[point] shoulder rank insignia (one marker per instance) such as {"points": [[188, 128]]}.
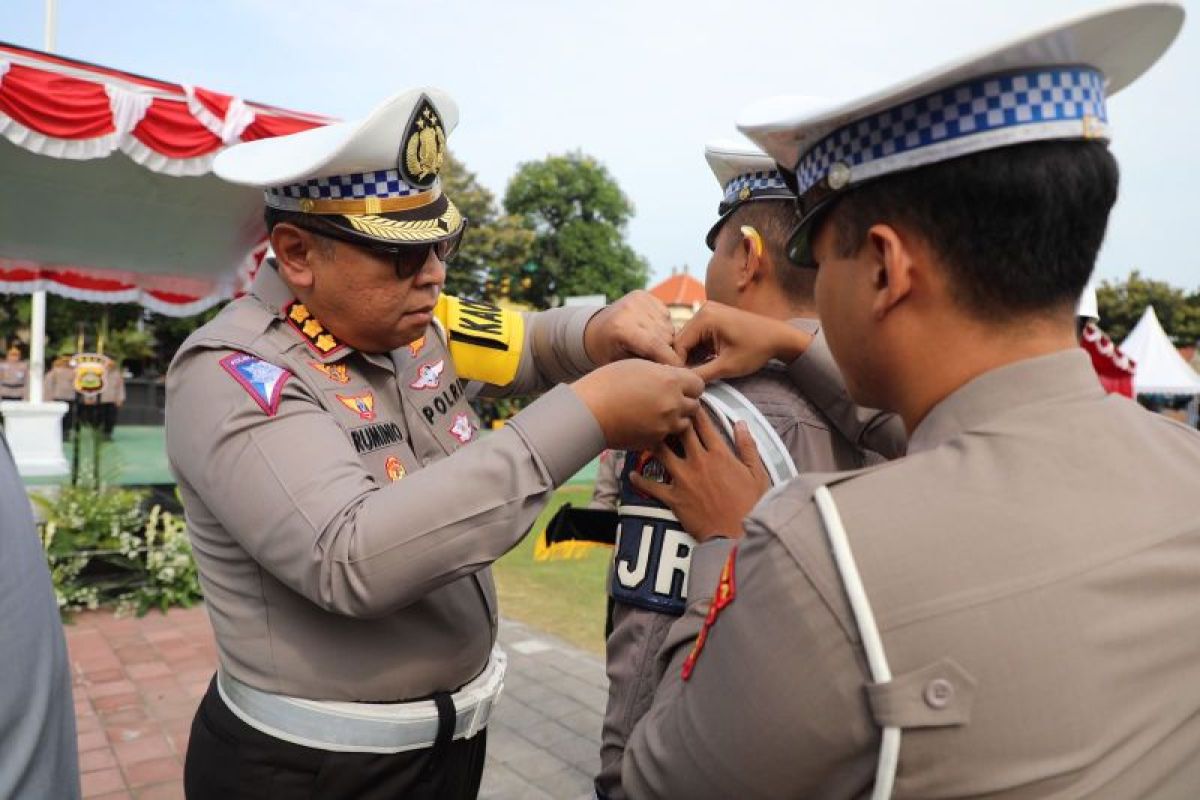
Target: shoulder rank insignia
{"points": [[335, 372], [395, 470], [362, 404], [414, 348], [462, 429], [723, 597], [319, 340], [262, 380], [429, 375]]}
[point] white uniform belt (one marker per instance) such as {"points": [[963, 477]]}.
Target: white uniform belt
{"points": [[364, 727]]}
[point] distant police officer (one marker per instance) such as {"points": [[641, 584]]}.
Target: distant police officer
{"points": [[748, 270], [314, 427], [1010, 611]]}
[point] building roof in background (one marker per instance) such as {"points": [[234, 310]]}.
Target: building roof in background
{"points": [[680, 289]]}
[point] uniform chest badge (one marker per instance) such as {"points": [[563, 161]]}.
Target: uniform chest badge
{"points": [[335, 372], [319, 340], [362, 404], [429, 375], [462, 429], [262, 380], [414, 348], [723, 597], [395, 470]]}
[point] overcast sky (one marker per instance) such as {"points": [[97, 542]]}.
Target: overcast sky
{"points": [[640, 85]]}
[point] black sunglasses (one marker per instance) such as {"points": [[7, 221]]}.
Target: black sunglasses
{"points": [[407, 258]]}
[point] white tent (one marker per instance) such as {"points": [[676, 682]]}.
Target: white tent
{"points": [[1159, 367]]}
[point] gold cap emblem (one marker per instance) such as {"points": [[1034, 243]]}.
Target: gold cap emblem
{"points": [[424, 147]]}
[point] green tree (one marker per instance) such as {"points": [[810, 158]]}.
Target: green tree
{"points": [[1122, 304], [578, 214], [494, 245]]}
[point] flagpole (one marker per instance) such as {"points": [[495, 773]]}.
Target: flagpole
{"points": [[37, 316]]}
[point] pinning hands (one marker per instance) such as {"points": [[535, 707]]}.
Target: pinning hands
{"points": [[637, 325], [639, 403], [712, 488], [725, 342]]}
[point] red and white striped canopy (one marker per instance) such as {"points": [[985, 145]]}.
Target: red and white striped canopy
{"points": [[148, 224]]}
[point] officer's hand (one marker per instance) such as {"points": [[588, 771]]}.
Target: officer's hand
{"points": [[725, 342], [639, 403], [712, 488], [636, 325]]}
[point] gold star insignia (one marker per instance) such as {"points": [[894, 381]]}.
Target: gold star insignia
{"points": [[325, 343], [299, 313], [312, 328]]}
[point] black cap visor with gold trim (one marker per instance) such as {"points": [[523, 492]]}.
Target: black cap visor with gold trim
{"points": [[726, 210]]}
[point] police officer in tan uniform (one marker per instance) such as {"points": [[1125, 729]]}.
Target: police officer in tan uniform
{"points": [[315, 426], [1010, 611], [749, 270], [14, 375]]}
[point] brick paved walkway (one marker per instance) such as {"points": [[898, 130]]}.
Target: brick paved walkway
{"points": [[138, 681]]}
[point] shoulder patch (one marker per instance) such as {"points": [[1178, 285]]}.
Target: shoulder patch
{"points": [[262, 380], [726, 590], [362, 404], [429, 375]]}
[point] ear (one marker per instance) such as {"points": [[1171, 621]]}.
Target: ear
{"points": [[750, 258], [894, 263], [295, 253]]}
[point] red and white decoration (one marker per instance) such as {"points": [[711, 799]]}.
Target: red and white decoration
{"points": [[148, 224]]}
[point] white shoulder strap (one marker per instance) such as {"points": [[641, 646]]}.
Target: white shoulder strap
{"points": [[864, 618], [732, 406]]}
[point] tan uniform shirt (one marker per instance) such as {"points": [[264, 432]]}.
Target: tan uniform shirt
{"points": [[1034, 567], [114, 386], [815, 445], [605, 491], [14, 375], [343, 541], [817, 376], [59, 384]]}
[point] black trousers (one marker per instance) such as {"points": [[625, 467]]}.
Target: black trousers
{"points": [[229, 760]]}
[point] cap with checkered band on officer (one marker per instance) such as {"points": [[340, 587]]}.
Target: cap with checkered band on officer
{"points": [[373, 180], [746, 174], [1046, 86]]}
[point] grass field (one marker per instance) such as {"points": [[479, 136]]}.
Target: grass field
{"points": [[562, 597]]}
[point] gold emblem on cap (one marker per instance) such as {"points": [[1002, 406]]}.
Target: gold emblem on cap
{"points": [[424, 145], [744, 193], [838, 176]]}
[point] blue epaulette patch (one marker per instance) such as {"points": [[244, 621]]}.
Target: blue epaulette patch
{"points": [[262, 380], [653, 554]]}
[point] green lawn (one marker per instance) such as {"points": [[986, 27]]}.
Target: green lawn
{"points": [[562, 597]]}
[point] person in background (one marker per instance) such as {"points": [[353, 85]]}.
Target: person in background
{"points": [[111, 398], [14, 375], [59, 385]]}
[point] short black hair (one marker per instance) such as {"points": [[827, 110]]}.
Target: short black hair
{"points": [[775, 220], [1017, 228]]}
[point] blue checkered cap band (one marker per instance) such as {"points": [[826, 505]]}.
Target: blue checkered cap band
{"points": [[755, 181], [380, 184], [1024, 106]]}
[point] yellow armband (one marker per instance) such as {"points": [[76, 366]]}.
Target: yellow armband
{"points": [[485, 342]]}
